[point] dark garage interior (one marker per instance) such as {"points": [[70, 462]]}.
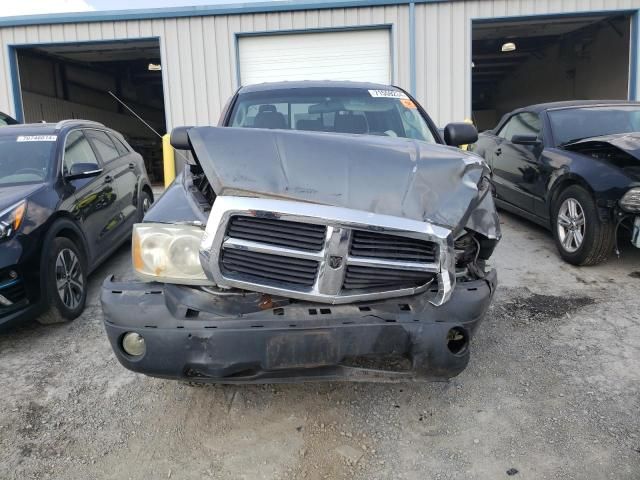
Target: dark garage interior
{"points": [[73, 80], [526, 61]]}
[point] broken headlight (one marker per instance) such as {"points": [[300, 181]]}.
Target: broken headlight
{"points": [[168, 253], [631, 200], [11, 219]]}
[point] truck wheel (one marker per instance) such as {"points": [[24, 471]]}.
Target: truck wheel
{"points": [[66, 282], [581, 238]]}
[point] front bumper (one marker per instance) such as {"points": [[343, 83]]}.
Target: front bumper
{"points": [[194, 335]]}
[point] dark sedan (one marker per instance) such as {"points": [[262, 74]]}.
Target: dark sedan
{"points": [[573, 167], [69, 196]]}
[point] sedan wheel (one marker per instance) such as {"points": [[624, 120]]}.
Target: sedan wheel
{"points": [[69, 281], [582, 235], [571, 225]]}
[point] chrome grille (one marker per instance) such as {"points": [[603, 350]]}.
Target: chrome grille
{"points": [[323, 253], [392, 247], [262, 266], [304, 236]]}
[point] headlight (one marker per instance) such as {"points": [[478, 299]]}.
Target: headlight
{"points": [[168, 253], [631, 200], [11, 219]]}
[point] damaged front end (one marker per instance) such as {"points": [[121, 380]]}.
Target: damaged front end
{"points": [[621, 151], [283, 256]]}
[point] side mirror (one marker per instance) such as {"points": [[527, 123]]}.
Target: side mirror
{"points": [[180, 138], [456, 134], [83, 170], [525, 140]]}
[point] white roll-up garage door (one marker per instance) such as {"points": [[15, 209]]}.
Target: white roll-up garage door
{"points": [[362, 55]]}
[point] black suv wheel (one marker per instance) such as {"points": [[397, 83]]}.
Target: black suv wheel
{"points": [[66, 281]]}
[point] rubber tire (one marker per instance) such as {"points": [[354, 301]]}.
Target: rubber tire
{"points": [[599, 238], [56, 311], [144, 195]]}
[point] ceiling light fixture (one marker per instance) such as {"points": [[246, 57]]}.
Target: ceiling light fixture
{"points": [[509, 47], [154, 67]]}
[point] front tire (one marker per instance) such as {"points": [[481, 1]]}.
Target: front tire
{"points": [[580, 235], [144, 204], [66, 282]]}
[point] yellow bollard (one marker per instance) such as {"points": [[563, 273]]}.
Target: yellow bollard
{"points": [[169, 160]]}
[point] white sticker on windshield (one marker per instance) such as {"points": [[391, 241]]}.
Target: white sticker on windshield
{"points": [[37, 138], [387, 94]]}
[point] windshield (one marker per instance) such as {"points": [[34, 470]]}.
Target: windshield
{"points": [[340, 110], [577, 123], [25, 159]]}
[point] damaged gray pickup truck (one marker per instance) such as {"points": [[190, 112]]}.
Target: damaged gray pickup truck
{"points": [[322, 232]]}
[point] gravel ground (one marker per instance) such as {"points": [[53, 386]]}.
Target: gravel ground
{"points": [[552, 391]]}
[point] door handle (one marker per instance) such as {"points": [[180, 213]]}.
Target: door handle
{"points": [[108, 179], [132, 166], [498, 151]]}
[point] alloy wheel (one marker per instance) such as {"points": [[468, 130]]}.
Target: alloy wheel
{"points": [[69, 282], [571, 225]]}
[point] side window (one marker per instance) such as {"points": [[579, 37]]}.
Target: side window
{"points": [[122, 149], [77, 150], [522, 124], [105, 147]]}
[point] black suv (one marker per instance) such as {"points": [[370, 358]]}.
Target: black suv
{"points": [[69, 195]]}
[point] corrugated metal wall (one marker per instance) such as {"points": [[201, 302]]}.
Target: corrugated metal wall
{"points": [[199, 53], [443, 45]]}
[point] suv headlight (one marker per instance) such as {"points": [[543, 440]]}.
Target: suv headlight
{"points": [[631, 200], [11, 219], [168, 253]]}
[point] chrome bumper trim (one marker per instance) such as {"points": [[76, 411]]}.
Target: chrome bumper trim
{"points": [[340, 222]]}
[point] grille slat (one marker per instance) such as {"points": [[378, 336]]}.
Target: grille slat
{"points": [[243, 259], [357, 278], [263, 266], [392, 247], [283, 233]]}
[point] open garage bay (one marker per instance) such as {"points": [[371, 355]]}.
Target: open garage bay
{"points": [[523, 61]]}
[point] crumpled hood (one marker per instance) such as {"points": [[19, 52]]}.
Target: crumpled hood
{"points": [[384, 175], [621, 150], [627, 142]]}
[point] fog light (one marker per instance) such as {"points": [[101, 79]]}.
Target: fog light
{"points": [[133, 344], [457, 341]]}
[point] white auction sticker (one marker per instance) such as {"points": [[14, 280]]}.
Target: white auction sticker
{"points": [[37, 138], [387, 94]]}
